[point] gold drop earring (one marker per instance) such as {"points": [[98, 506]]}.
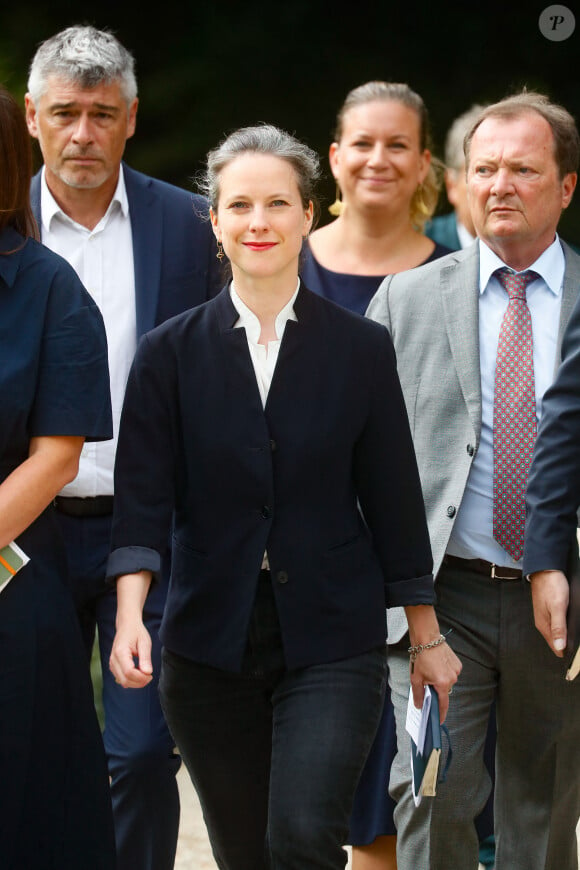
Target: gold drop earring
{"points": [[336, 208]]}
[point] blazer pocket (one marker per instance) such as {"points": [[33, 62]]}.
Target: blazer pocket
{"points": [[349, 561], [188, 565], [184, 547]]}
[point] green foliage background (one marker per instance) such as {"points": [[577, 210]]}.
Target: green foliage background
{"points": [[97, 684]]}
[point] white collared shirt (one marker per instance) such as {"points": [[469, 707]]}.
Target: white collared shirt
{"points": [[264, 357], [472, 535], [465, 237], [103, 260]]}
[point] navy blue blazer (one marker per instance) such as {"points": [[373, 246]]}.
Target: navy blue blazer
{"points": [[173, 247], [197, 450], [553, 492], [443, 229]]}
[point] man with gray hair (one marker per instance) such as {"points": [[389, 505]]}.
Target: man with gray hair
{"points": [[145, 252], [478, 338], [455, 230]]}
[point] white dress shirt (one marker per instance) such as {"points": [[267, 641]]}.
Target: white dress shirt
{"points": [[103, 260], [472, 535], [465, 237]]}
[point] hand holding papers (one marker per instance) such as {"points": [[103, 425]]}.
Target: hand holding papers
{"points": [[12, 559], [424, 729]]}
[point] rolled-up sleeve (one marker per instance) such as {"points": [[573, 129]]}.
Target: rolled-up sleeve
{"points": [[144, 466], [129, 560]]}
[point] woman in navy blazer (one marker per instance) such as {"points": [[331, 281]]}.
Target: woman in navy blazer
{"points": [[267, 432]]}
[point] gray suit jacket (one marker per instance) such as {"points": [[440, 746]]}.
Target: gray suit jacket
{"points": [[432, 315]]}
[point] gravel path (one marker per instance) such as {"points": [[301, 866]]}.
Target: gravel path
{"points": [[193, 850]]}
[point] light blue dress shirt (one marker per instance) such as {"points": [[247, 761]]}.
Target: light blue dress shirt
{"points": [[472, 535]]}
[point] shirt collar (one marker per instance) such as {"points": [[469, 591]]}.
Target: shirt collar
{"points": [[49, 208], [464, 236], [250, 322], [550, 266]]}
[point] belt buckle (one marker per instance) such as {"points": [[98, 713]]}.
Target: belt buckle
{"points": [[495, 576]]}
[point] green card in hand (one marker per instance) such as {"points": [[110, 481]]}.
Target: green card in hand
{"points": [[12, 559]]}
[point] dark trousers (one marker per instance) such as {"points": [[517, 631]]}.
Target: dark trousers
{"points": [[140, 750], [274, 754]]}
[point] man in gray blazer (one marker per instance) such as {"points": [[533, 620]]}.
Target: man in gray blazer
{"points": [[462, 351]]}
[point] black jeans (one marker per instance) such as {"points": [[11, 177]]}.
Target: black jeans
{"points": [[274, 754]]}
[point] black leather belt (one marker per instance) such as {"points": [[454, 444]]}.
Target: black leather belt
{"points": [[480, 566], [96, 506]]}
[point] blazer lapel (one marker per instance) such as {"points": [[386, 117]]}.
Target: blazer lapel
{"points": [[287, 389], [298, 369], [460, 298], [239, 375], [35, 199], [147, 230], [570, 292]]}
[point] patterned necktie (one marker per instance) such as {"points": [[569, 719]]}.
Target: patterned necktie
{"points": [[514, 414]]}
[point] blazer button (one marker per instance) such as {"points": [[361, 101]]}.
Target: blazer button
{"points": [[266, 512], [282, 576], [470, 449], [451, 510]]}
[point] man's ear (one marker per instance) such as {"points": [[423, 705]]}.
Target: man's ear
{"points": [[30, 114]]}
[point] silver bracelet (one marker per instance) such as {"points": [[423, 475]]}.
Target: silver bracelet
{"points": [[414, 651]]}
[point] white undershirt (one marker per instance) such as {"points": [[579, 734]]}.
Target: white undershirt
{"points": [[103, 260]]}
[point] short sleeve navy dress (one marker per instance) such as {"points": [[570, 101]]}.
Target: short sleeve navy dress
{"points": [[372, 814], [55, 811]]}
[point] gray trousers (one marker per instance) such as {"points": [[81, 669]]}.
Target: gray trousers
{"points": [[537, 791]]}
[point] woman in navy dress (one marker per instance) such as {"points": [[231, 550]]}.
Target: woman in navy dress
{"points": [[55, 810], [387, 188]]}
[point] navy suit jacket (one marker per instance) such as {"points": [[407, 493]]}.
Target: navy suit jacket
{"points": [[173, 247], [199, 453], [443, 229], [553, 492]]}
